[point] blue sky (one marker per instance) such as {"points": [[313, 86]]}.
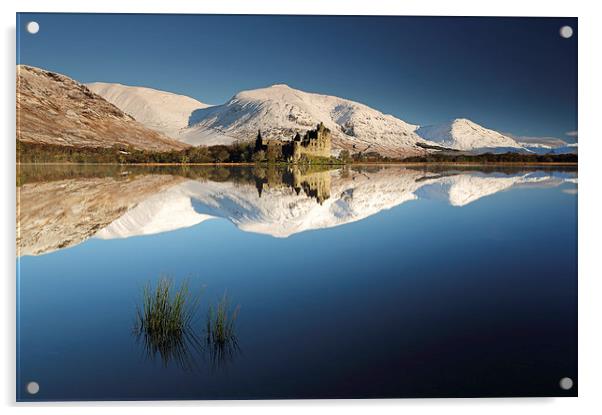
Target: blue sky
{"points": [[515, 75]]}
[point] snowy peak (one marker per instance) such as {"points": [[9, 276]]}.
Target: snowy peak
{"points": [[464, 134], [280, 111], [161, 111]]}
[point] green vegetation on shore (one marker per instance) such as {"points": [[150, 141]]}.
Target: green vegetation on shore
{"points": [[245, 153], [494, 158], [235, 153]]}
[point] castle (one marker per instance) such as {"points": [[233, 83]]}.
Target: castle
{"points": [[315, 143]]}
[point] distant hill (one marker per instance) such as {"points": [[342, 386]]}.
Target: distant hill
{"points": [[466, 135]]}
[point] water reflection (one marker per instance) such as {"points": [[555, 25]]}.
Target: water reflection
{"points": [[184, 349], [61, 209], [64, 212], [221, 338], [314, 182], [167, 327], [460, 279], [164, 323]]}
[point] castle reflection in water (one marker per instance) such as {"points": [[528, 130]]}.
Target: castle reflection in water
{"points": [[315, 184]]}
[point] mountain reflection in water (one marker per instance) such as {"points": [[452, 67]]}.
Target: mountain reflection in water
{"points": [[62, 206]]}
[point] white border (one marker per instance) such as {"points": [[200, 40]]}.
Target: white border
{"points": [[590, 277]]}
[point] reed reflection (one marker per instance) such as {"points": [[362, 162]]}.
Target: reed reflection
{"points": [[168, 328]]}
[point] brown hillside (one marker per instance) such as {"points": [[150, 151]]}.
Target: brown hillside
{"points": [[55, 109]]}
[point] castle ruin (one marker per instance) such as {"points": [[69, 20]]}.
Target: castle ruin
{"points": [[315, 143]]}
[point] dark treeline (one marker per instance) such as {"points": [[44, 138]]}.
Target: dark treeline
{"points": [[452, 157], [245, 153], [235, 153], [49, 153], [493, 158]]}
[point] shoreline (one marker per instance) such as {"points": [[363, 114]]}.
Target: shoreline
{"points": [[396, 163]]}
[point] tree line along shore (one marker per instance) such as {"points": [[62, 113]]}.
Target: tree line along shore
{"points": [[246, 153]]}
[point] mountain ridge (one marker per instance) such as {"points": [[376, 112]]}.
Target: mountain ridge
{"points": [[55, 109], [465, 135], [162, 111], [280, 111], [102, 114]]}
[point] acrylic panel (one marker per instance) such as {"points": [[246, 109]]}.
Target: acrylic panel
{"points": [[295, 207]]}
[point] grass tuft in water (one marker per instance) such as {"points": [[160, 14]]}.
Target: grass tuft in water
{"points": [[221, 334], [164, 319]]}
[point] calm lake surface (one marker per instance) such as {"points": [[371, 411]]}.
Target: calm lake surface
{"points": [[360, 282]]}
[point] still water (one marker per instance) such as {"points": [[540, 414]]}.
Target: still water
{"points": [[347, 283]]}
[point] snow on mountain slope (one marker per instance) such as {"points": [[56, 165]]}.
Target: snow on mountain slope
{"points": [[537, 148], [280, 111], [572, 148], [161, 111], [463, 134], [536, 145]]}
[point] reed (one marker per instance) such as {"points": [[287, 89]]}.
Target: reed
{"points": [[222, 343], [164, 320], [221, 322]]}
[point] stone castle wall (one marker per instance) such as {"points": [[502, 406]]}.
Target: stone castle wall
{"points": [[315, 143]]}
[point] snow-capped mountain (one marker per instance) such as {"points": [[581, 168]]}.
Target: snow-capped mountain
{"points": [[571, 148], [463, 134], [161, 111], [537, 145], [551, 149], [280, 111]]}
